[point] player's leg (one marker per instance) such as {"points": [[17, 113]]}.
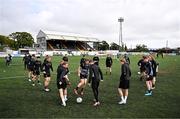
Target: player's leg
{"points": [[125, 95], [65, 94], [29, 76], [149, 86], [46, 83], [153, 82], [33, 79], [38, 77], [120, 91], [83, 86], [78, 86], [96, 93], [110, 70], [61, 94]]}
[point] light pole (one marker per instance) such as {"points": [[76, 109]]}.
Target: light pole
{"points": [[120, 20]]}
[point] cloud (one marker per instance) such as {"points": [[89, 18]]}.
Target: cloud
{"points": [[150, 22]]}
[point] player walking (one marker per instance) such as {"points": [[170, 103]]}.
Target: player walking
{"points": [[109, 63], [95, 75], [36, 71], [46, 67], [62, 81], [124, 81]]}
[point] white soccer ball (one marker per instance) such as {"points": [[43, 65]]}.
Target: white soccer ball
{"points": [[79, 100], [139, 72]]}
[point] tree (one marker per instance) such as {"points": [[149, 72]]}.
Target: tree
{"points": [[22, 39], [6, 41], [103, 46], [141, 48], [114, 46]]}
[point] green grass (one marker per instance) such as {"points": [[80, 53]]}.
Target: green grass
{"points": [[19, 99]]}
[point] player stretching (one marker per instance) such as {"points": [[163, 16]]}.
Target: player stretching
{"points": [[149, 76], [83, 74], [124, 81], [109, 63], [94, 75], [141, 63], [36, 71], [154, 67], [46, 66], [62, 81]]}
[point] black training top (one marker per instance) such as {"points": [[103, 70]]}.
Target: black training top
{"points": [[37, 65], [95, 73], [61, 72], [31, 62], [142, 64], [46, 66], [26, 59], [109, 60], [84, 69], [125, 72]]}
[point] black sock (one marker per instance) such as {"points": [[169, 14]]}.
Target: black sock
{"points": [[82, 89], [77, 88], [150, 91]]}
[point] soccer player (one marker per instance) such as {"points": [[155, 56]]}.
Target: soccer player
{"points": [[65, 60], [62, 81], [10, 58], [96, 59], [141, 63], [95, 75], [149, 76], [46, 67], [82, 60], [83, 71], [124, 81], [127, 58], [30, 66], [154, 67], [36, 71], [25, 59], [7, 59], [109, 63]]}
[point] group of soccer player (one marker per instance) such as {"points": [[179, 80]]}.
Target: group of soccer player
{"points": [[34, 66], [148, 72], [90, 73]]}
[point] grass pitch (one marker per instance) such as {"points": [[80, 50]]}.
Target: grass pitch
{"points": [[18, 98]]}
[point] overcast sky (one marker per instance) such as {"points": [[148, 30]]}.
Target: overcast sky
{"points": [[150, 22]]}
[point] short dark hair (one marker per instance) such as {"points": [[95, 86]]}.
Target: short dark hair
{"points": [[65, 58]]}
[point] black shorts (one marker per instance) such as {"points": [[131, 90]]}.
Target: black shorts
{"points": [[62, 85], [108, 64], [36, 72], [124, 84], [83, 76], [30, 68], [47, 75], [150, 78]]}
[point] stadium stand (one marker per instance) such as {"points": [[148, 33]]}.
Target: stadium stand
{"points": [[54, 41]]}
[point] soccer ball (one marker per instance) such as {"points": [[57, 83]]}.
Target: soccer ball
{"points": [[79, 100]]}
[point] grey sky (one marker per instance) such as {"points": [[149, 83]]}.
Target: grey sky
{"points": [[150, 22]]}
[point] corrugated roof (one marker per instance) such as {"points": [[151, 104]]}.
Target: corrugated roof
{"points": [[68, 36]]}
